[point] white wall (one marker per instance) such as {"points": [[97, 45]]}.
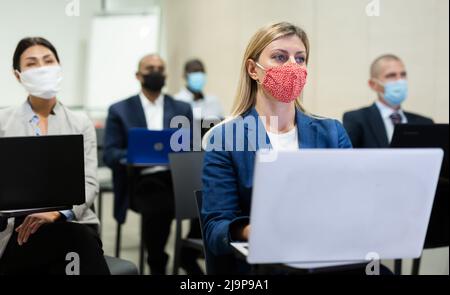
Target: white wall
{"points": [[131, 5], [69, 34], [46, 18], [344, 42]]}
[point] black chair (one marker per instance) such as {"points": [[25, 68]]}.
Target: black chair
{"points": [[133, 177], [215, 265], [438, 227], [121, 267], [105, 186], [186, 170], [430, 136], [133, 174], [116, 265]]}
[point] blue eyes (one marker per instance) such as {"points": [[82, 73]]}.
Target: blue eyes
{"points": [[281, 58], [300, 59], [284, 58]]}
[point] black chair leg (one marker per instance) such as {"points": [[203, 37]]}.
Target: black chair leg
{"points": [[99, 213], [118, 239], [176, 259], [141, 249], [398, 267], [416, 266]]}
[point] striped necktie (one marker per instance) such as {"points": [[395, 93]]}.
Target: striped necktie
{"points": [[395, 118]]}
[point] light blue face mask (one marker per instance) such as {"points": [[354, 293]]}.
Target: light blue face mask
{"points": [[395, 92], [196, 81]]}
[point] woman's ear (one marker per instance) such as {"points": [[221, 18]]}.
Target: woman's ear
{"points": [[251, 69]]}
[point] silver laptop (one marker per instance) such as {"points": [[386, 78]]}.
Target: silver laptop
{"points": [[330, 207]]}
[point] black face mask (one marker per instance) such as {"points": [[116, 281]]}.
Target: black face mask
{"points": [[154, 81]]}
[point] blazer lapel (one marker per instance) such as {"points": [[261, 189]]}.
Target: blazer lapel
{"points": [[169, 111], [376, 124], [306, 136], [139, 112], [411, 118], [254, 134]]}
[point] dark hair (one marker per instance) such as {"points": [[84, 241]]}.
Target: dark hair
{"points": [[28, 42], [193, 63]]}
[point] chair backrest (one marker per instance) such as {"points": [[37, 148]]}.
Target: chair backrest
{"points": [[215, 265], [100, 132], [199, 201], [119, 266], [186, 169]]}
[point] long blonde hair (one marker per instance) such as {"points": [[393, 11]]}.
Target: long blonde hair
{"points": [[247, 88]]}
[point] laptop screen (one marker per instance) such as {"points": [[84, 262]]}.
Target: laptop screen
{"points": [[41, 171], [423, 136]]}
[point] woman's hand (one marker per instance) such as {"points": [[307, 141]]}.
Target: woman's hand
{"points": [[32, 223], [245, 232]]}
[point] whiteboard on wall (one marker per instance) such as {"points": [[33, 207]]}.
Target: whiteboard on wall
{"points": [[116, 45]]}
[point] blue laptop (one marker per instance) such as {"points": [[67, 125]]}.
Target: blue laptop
{"points": [[152, 147]]}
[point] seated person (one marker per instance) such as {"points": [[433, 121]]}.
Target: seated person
{"points": [[153, 191], [207, 110], [274, 70], [39, 243], [373, 126], [205, 107]]}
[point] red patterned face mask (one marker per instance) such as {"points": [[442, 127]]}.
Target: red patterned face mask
{"points": [[286, 82]]}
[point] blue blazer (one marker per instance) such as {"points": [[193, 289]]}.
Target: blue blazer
{"points": [[228, 174], [122, 116]]}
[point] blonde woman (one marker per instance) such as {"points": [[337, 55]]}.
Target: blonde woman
{"points": [[274, 72]]}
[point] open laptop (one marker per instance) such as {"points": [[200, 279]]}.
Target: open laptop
{"points": [[435, 135], [41, 173], [152, 147], [423, 136], [325, 207]]}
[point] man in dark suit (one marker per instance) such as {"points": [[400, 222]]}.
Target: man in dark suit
{"points": [[373, 126], [153, 189]]}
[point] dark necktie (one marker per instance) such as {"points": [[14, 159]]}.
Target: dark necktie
{"points": [[395, 118]]}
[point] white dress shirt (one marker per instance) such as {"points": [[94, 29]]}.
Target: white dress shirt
{"points": [[385, 112], [207, 108], [154, 111], [154, 116]]}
